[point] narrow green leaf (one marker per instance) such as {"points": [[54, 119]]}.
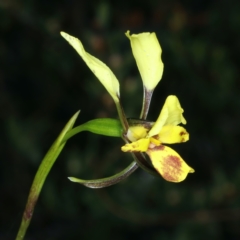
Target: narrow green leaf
{"points": [[41, 175], [102, 126]]}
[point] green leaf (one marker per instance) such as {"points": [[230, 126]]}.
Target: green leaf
{"points": [[41, 175], [102, 126]]}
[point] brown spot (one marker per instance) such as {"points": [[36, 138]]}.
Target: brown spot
{"points": [[158, 148], [182, 133], [156, 137], [171, 168]]}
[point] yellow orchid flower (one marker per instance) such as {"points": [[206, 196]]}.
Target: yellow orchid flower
{"points": [[149, 138], [165, 130]]}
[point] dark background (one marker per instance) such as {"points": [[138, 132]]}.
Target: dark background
{"points": [[43, 82]]}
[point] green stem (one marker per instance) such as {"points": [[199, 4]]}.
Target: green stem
{"points": [[40, 177], [122, 117], [34, 193]]}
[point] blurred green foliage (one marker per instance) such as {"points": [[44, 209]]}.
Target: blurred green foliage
{"points": [[43, 82]]}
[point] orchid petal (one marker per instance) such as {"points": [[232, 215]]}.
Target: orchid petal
{"points": [[171, 114], [169, 163], [100, 70], [139, 146], [173, 134], [147, 53]]}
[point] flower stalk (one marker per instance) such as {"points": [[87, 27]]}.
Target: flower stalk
{"points": [[147, 97], [41, 175]]}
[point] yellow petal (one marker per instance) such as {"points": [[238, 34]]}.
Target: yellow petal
{"points": [[169, 164], [100, 70], [147, 53], [173, 134], [138, 146], [171, 114]]}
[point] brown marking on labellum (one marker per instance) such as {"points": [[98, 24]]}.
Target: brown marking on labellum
{"points": [[182, 133], [156, 137], [171, 168], [158, 148]]}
